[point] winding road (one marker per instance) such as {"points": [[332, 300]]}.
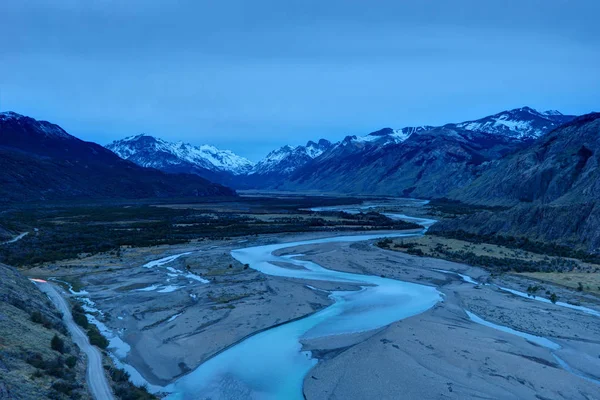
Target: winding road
{"points": [[95, 377]]}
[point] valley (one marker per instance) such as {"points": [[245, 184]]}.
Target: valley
{"points": [[299, 200], [199, 303]]}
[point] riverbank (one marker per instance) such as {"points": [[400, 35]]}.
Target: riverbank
{"points": [[442, 353]]}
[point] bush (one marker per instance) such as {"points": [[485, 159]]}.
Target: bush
{"points": [[36, 360], [125, 390], [56, 368], [71, 361], [64, 387], [96, 337], [36, 317], [39, 318], [81, 320], [57, 344], [119, 375], [415, 252], [384, 243], [532, 290]]}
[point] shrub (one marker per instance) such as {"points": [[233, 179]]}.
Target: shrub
{"points": [[125, 390], [39, 318], [384, 243], [36, 317], [57, 344], [553, 298], [56, 368], [415, 252], [71, 361], [96, 337], [119, 375], [64, 387], [81, 320], [36, 360]]}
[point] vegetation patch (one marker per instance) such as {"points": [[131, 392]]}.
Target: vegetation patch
{"points": [[93, 333], [62, 231], [522, 243], [123, 387], [580, 281], [454, 208], [567, 272]]}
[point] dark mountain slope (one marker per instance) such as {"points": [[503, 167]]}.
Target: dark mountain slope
{"points": [[553, 186], [40, 161], [429, 163], [560, 167], [424, 161]]}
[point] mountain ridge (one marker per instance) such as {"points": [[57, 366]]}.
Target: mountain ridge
{"points": [[289, 167], [41, 161]]}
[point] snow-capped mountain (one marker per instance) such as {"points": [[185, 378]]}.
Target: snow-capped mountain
{"points": [[41, 161], [450, 152], [423, 161], [287, 159], [520, 123], [148, 151]]}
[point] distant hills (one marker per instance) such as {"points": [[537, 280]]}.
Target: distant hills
{"points": [[552, 188], [423, 161], [40, 161]]}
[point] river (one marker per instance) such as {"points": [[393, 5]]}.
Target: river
{"points": [[272, 364]]}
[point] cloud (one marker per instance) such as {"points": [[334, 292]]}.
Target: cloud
{"points": [[254, 75]]}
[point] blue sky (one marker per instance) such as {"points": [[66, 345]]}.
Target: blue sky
{"points": [[254, 75]]}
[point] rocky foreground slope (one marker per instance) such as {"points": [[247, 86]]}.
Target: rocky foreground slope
{"points": [[38, 360]]}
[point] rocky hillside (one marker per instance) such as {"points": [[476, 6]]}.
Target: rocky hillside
{"points": [[552, 187], [33, 364], [40, 161]]}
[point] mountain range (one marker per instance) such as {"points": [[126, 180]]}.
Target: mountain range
{"points": [[541, 167], [41, 161], [424, 161]]}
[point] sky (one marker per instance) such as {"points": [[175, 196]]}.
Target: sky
{"points": [[251, 76]]}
